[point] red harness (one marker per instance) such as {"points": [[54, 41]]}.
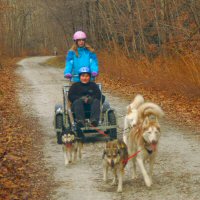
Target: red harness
{"points": [[130, 157]]}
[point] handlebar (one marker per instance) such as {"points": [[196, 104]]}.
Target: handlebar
{"points": [[74, 76]]}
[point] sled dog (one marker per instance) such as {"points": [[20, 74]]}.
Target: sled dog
{"points": [[144, 137], [71, 146], [115, 157], [131, 116]]}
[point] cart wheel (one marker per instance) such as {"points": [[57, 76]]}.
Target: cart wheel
{"points": [[59, 125], [59, 137], [113, 131], [59, 121]]}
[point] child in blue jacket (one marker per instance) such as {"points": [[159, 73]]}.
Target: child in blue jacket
{"points": [[80, 55]]}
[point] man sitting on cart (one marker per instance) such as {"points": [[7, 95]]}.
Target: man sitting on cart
{"points": [[85, 96]]}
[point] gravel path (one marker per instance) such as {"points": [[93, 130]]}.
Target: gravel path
{"points": [[177, 168]]}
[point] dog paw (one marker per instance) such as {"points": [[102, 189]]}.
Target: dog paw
{"points": [[148, 182], [114, 183], [119, 190], [105, 180], [134, 176], [66, 163]]}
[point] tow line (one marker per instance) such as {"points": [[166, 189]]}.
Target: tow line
{"points": [[124, 161], [100, 131]]}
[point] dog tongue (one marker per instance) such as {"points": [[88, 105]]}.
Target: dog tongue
{"points": [[68, 145], [153, 146]]}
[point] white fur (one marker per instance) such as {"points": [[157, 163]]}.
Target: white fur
{"points": [[147, 131], [149, 108], [131, 117]]}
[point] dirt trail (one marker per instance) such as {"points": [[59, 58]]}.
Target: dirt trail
{"points": [[177, 168]]}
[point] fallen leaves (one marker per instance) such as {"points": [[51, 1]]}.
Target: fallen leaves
{"points": [[22, 174], [179, 109]]}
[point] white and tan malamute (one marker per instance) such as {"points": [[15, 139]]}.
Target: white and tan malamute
{"points": [[144, 137], [131, 116]]}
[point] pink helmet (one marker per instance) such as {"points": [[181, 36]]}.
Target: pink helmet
{"points": [[79, 35]]}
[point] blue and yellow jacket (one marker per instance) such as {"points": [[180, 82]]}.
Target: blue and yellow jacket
{"points": [[86, 58]]}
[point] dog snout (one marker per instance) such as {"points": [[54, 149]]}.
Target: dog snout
{"points": [[154, 142], [112, 163]]}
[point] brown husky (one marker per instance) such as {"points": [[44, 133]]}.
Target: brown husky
{"points": [[115, 157]]}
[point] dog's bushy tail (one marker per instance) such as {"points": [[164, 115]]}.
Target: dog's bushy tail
{"points": [[138, 100], [147, 109]]}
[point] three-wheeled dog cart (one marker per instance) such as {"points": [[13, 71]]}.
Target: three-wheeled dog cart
{"points": [[64, 119]]}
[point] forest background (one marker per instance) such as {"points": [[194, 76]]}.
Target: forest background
{"points": [[151, 42], [146, 46]]}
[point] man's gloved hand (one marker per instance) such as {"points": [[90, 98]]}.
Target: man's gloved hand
{"points": [[68, 76], [90, 99], [94, 74], [84, 99], [87, 99]]}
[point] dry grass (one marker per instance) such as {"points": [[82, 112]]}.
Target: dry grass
{"points": [[58, 61], [176, 74]]}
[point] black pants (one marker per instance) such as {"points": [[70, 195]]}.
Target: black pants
{"points": [[82, 110]]}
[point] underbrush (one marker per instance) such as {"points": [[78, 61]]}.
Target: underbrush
{"points": [[178, 74]]}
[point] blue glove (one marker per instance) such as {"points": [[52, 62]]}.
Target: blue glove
{"points": [[68, 76]]}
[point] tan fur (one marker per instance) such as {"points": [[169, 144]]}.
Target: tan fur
{"points": [[71, 146], [145, 137], [114, 158], [69, 104], [131, 117], [129, 110]]}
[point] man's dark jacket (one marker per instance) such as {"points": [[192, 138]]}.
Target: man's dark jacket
{"points": [[78, 90]]}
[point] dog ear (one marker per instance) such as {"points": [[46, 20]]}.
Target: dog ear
{"points": [[104, 153], [157, 122], [128, 109], [73, 137]]}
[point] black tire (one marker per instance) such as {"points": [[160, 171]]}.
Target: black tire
{"points": [[59, 121], [112, 120], [59, 137], [59, 125]]}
